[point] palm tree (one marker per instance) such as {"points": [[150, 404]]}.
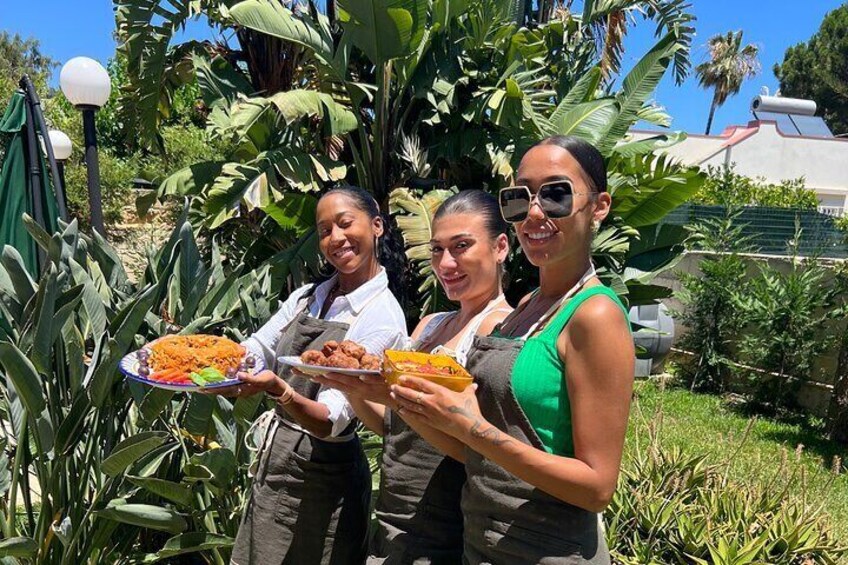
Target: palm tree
{"points": [[729, 65]]}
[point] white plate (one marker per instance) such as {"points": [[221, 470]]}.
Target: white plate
{"points": [[130, 365], [313, 370]]}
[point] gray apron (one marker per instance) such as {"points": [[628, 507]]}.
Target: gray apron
{"points": [[310, 498], [418, 515], [508, 521]]}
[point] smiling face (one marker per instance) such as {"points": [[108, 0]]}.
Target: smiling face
{"points": [[465, 258], [345, 233], [545, 240]]}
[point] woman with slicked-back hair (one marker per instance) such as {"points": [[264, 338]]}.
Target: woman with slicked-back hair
{"points": [[543, 426]]}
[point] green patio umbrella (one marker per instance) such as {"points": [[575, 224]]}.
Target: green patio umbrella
{"points": [[16, 191]]}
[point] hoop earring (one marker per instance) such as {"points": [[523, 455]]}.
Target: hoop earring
{"points": [[377, 248]]}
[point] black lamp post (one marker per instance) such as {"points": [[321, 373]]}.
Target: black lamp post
{"points": [[86, 85]]}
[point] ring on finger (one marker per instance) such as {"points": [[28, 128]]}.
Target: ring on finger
{"points": [[419, 398]]}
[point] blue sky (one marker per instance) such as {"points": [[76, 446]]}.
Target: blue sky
{"points": [[67, 28]]}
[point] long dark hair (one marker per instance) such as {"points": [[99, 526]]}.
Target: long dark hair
{"points": [[586, 155], [476, 202]]}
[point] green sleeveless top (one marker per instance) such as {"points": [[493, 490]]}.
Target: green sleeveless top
{"points": [[538, 382]]}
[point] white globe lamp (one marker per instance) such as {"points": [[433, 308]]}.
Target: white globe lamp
{"points": [[87, 86], [85, 82], [62, 146]]}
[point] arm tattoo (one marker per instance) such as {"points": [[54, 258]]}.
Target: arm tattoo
{"points": [[491, 433]]}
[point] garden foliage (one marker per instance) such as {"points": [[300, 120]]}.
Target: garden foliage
{"points": [[92, 467], [679, 508]]}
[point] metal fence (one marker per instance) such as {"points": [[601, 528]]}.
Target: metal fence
{"points": [[771, 229]]}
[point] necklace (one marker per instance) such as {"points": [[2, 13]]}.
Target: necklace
{"points": [[554, 307]]}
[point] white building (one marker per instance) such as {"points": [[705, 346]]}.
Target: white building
{"points": [[784, 141]]}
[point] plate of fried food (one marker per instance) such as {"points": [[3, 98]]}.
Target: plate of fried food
{"points": [[190, 362], [347, 358]]}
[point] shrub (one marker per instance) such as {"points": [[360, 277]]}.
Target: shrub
{"points": [[726, 187], [710, 313], [116, 177], [789, 315]]}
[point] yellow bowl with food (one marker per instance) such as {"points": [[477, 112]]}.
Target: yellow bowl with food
{"points": [[439, 369]]}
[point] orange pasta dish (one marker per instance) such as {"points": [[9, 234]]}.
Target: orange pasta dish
{"points": [[176, 358]]}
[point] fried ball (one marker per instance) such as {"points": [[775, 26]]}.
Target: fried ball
{"points": [[370, 362], [352, 349], [312, 357], [342, 361], [330, 347]]}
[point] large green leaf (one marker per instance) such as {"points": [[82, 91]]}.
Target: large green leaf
{"points": [[95, 318], [583, 90], [294, 105], [245, 407], [198, 414], [169, 490], [294, 211], [649, 144], [131, 450], [124, 327], [154, 70], [219, 82], [24, 377], [651, 186], [384, 29], [145, 516], [42, 329], [72, 424], [190, 543], [5, 473], [154, 403], [275, 19], [21, 281], [108, 261], [657, 247], [193, 275], [218, 466], [18, 547], [191, 180], [638, 87], [587, 120]]}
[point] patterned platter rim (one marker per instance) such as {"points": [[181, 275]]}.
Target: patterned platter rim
{"points": [[130, 364]]}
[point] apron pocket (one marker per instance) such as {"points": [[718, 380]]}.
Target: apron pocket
{"points": [[314, 492], [530, 546]]}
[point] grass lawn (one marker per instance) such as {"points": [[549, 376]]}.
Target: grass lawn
{"points": [[701, 423]]}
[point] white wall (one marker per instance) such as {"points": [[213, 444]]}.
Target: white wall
{"points": [[760, 150]]}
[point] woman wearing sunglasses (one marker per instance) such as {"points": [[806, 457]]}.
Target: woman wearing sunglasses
{"points": [[419, 519], [543, 426]]}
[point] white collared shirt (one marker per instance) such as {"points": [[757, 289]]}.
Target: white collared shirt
{"points": [[376, 323]]}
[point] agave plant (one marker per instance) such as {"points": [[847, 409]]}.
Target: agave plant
{"points": [[674, 507], [93, 467]]}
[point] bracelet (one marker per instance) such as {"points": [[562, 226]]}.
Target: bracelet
{"points": [[285, 397]]}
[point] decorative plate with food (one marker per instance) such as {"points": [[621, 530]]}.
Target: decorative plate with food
{"points": [[347, 357], [189, 362], [436, 368]]}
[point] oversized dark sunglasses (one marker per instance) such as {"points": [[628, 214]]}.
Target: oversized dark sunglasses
{"points": [[556, 199]]}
